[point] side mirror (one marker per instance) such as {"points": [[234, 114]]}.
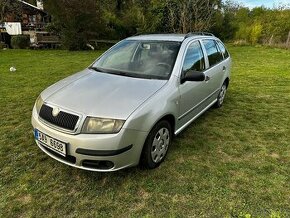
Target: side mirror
{"points": [[192, 75]]}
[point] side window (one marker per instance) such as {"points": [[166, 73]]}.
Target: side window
{"points": [[214, 55], [223, 49], [194, 59]]}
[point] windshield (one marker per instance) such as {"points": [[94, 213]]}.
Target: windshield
{"points": [[141, 59]]}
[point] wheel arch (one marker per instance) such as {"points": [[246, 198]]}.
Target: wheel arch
{"points": [[227, 81], [170, 118]]}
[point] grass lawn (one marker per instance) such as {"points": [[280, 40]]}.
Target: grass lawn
{"points": [[231, 162]]}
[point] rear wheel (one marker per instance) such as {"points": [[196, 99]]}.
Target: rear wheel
{"points": [[156, 145], [221, 96]]}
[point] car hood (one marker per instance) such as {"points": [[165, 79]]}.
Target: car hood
{"points": [[101, 95]]}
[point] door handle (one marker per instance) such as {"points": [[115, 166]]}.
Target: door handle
{"points": [[224, 68], [207, 78]]}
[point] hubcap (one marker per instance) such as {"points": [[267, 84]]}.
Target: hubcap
{"points": [[160, 145], [222, 94]]}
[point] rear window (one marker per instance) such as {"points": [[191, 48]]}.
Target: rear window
{"points": [[213, 53], [223, 49]]}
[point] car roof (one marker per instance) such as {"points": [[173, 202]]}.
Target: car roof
{"points": [[167, 37]]}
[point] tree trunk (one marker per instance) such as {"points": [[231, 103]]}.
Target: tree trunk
{"points": [[270, 41], [288, 40]]}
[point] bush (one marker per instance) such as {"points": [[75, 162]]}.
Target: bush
{"points": [[2, 45], [20, 41], [256, 32]]}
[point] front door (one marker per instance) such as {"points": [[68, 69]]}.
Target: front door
{"points": [[192, 94]]}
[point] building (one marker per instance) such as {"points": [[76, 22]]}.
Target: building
{"points": [[27, 19], [31, 17]]}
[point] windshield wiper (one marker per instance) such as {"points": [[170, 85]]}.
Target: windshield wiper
{"points": [[121, 73], [109, 71], [127, 74], [97, 69], [116, 72]]}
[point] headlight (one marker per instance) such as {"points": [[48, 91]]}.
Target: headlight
{"points": [[102, 125], [38, 104]]}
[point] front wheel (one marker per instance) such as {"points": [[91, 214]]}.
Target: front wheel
{"points": [[156, 145], [221, 96]]}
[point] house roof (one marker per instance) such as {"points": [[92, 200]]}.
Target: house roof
{"points": [[30, 5]]}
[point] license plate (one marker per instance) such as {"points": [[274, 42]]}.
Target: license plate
{"points": [[51, 143]]}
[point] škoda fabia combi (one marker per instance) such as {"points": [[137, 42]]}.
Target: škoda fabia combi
{"points": [[124, 109]]}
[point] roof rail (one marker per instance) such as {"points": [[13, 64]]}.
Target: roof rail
{"points": [[198, 34]]}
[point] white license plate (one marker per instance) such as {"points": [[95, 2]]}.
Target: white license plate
{"points": [[51, 143]]}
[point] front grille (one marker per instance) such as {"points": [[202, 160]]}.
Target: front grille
{"points": [[63, 119]]}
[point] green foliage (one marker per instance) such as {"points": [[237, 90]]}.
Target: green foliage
{"points": [[2, 45], [255, 33], [250, 33], [257, 25], [20, 41], [116, 19], [75, 21], [243, 31], [8, 7], [275, 214], [33, 2]]}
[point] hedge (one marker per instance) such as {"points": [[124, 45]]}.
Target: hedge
{"points": [[20, 41]]}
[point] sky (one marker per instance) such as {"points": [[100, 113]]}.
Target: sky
{"points": [[266, 3]]}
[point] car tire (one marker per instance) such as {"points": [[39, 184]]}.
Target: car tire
{"points": [[156, 145], [221, 96]]}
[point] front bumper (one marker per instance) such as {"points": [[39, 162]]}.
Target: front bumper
{"points": [[95, 152]]}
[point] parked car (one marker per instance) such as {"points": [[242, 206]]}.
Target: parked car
{"points": [[124, 109]]}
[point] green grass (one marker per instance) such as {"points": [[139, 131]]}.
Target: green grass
{"points": [[231, 162]]}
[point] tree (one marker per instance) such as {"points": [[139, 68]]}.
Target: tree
{"points": [[75, 21], [225, 26], [33, 2], [10, 8], [190, 15]]}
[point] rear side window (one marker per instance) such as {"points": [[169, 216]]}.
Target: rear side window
{"points": [[214, 55], [223, 49], [194, 59]]}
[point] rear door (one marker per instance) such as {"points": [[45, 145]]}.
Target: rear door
{"points": [[227, 60], [215, 68]]}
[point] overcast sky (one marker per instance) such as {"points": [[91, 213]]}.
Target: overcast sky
{"points": [[266, 3]]}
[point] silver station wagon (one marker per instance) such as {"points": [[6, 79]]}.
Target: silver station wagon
{"points": [[124, 109]]}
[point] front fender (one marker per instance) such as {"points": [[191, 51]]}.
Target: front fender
{"points": [[164, 102]]}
